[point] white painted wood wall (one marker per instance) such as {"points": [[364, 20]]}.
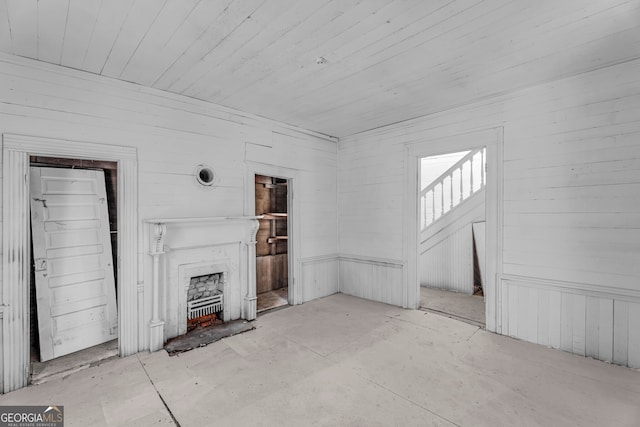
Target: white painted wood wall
{"points": [[570, 207], [172, 135]]}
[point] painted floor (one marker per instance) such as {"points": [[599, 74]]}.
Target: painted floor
{"points": [[344, 361], [469, 308]]}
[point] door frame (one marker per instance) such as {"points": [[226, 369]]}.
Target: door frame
{"points": [[492, 139], [293, 224], [14, 306]]}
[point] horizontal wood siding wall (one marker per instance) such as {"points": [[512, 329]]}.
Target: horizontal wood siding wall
{"points": [[571, 200], [173, 134]]}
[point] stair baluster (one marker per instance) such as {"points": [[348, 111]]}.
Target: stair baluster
{"points": [[437, 212]]}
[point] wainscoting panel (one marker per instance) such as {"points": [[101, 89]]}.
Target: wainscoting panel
{"points": [[319, 277], [577, 318], [372, 278]]}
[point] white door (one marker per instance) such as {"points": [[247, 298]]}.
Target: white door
{"points": [[75, 289]]}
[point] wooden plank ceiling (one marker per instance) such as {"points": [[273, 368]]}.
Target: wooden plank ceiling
{"points": [[386, 60]]}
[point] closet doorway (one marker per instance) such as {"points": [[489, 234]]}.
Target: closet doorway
{"points": [[272, 247]]}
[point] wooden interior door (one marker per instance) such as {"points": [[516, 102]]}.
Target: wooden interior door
{"points": [[75, 286]]}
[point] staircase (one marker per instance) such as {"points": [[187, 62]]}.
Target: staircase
{"points": [[452, 207], [457, 184]]}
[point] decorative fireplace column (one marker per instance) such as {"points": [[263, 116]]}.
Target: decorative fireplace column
{"points": [[156, 326], [250, 300], [179, 245]]}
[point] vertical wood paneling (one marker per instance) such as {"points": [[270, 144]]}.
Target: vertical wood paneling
{"points": [[532, 317], [605, 329], [621, 332], [513, 318], [634, 335], [555, 316], [578, 322], [566, 322], [581, 324], [448, 264], [320, 278], [544, 317], [379, 280], [599, 328], [592, 327]]}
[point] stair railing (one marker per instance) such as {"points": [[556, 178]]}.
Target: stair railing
{"points": [[442, 195]]}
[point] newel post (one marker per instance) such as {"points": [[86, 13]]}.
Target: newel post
{"points": [[156, 326]]}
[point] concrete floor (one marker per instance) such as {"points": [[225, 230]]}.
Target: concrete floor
{"points": [[343, 361], [468, 308]]}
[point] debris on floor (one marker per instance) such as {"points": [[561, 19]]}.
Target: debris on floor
{"points": [[202, 336]]}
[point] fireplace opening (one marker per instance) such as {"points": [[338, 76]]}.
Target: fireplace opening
{"points": [[205, 301]]}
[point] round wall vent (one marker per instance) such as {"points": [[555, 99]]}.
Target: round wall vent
{"points": [[205, 175]]}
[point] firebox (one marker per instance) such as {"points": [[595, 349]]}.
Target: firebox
{"points": [[205, 302]]}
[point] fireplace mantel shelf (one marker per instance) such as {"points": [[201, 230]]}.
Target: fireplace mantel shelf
{"points": [[198, 219]]}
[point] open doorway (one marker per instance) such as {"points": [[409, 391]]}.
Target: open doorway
{"points": [[16, 152], [451, 241], [272, 247], [74, 243]]}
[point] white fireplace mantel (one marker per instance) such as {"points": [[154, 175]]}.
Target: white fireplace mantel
{"points": [[179, 242]]}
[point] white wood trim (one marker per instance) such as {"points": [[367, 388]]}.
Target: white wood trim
{"points": [[630, 295], [319, 258], [293, 221], [492, 139], [15, 269], [372, 260], [15, 226], [495, 229], [127, 252], [222, 219], [34, 145]]}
